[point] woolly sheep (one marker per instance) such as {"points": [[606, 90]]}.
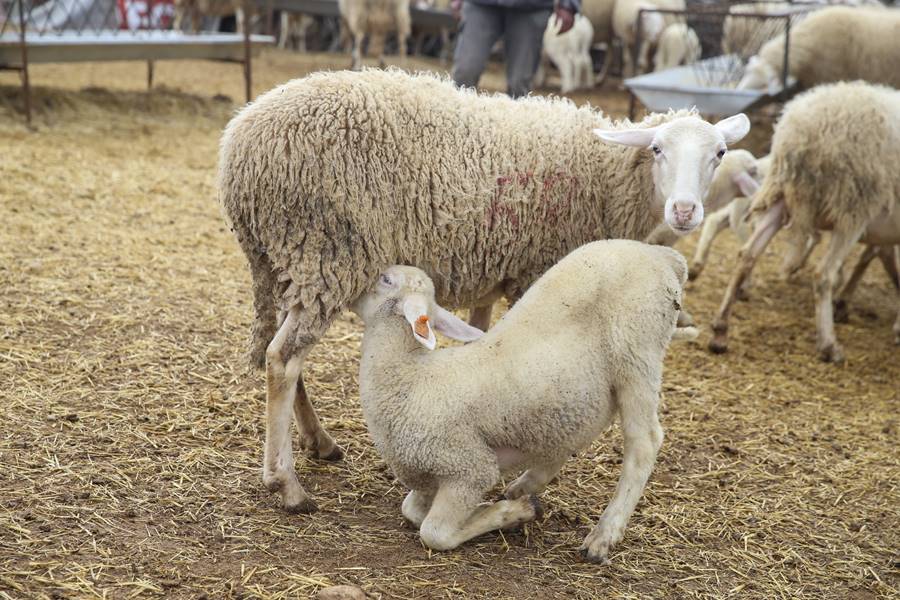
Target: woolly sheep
{"points": [[571, 53], [833, 44], [377, 18], [678, 45], [625, 15], [584, 343], [329, 179], [841, 177]]}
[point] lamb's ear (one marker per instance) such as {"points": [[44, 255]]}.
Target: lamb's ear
{"points": [[745, 183], [733, 129], [415, 310], [454, 327], [638, 138]]}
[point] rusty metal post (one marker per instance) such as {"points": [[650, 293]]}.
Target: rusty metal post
{"points": [[23, 44], [149, 75], [247, 51]]}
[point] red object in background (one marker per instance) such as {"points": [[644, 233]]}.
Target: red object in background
{"points": [[145, 14]]}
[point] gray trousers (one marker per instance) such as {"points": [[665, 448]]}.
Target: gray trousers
{"points": [[482, 26]]}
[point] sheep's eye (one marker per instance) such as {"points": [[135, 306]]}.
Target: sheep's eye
{"points": [[656, 149], [386, 280], [720, 153]]}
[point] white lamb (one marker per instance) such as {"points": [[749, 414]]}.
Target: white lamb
{"points": [[625, 16], [377, 18], [584, 344], [678, 45], [571, 52]]}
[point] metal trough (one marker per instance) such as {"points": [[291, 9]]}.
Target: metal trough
{"points": [[701, 85]]}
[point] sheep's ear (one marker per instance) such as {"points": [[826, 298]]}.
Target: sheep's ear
{"points": [[454, 327], [637, 138], [733, 129], [415, 310], [745, 183]]}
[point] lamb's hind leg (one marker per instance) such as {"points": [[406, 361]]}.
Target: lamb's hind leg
{"points": [[841, 314], [416, 505], [534, 480], [827, 271], [643, 437], [284, 364], [766, 228], [455, 516]]}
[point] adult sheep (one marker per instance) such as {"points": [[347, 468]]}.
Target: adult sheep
{"points": [[625, 16], [329, 179], [834, 167], [834, 44]]}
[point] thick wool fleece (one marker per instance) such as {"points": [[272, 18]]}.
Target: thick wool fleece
{"points": [[834, 156], [841, 44], [329, 179], [545, 381]]}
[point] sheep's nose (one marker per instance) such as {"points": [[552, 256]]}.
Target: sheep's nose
{"points": [[684, 210]]}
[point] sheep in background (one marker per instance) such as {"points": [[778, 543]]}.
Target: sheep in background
{"points": [[294, 27], [833, 44], [841, 177], [329, 179], [678, 45], [625, 15], [586, 342], [197, 9], [376, 18], [420, 31], [571, 53], [599, 13]]}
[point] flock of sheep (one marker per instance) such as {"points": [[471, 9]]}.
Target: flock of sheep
{"points": [[331, 182]]}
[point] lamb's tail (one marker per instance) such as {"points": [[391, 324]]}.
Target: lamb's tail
{"points": [[683, 334]]}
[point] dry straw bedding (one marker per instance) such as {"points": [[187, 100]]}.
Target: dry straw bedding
{"points": [[130, 456]]}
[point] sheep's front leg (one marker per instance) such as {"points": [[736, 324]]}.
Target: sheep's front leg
{"points": [[455, 516], [643, 437], [534, 480], [839, 247], [282, 381], [768, 225], [714, 224]]}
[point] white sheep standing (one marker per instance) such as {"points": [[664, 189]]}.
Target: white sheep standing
{"points": [[376, 18], [571, 52], [841, 176], [833, 44], [585, 343], [625, 16], [678, 45], [294, 26], [329, 179]]}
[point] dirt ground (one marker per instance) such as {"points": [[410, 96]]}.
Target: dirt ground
{"points": [[130, 459]]}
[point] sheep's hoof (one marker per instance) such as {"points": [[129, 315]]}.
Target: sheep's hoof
{"points": [[322, 449], [719, 344], [304, 507], [336, 454], [694, 272], [588, 556], [841, 313], [743, 295], [832, 353], [536, 507]]}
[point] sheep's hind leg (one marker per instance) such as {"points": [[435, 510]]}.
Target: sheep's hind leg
{"points": [[480, 317], [284, 363], [767, 226], [841, 314], [455, 516], [313, 437], [839, 247], [534, 480], [643, 437]]}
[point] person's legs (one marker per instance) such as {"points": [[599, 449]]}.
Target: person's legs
{"points": [[480, 28], [523, 40]]}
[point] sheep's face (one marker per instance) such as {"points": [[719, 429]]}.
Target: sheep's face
{"points": [[409, 292], [686, 152], [759, 75]]}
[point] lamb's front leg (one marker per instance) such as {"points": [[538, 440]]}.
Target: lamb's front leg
{"points": [[643, 437]]}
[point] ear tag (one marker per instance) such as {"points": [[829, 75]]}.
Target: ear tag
{"points": [[421, 327]]}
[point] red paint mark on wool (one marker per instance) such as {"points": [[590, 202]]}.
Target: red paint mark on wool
{"points": [[555, 192]]}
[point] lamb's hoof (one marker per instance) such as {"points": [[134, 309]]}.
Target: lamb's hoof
{"points": [[718, 345], [587, 555], [336, 454], [322, 450], [305, 506], [694, 272], [536, 507], [832, 353], [840, 312]]}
